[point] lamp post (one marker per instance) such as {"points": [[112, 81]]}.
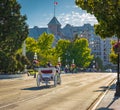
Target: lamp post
{"points": [[35, 63], [35, 56], [116, 49], [117, 93], [66, 60], [73, 65], [73, 61], [94, 65]]}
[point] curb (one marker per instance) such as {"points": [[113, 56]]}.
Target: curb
{"points": [[12, 76]]}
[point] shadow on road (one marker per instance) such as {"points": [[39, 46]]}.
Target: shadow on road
{"points": [[38, 88], [104, 88], [111, 88], [114, 99], [104, 109], [107, 108]]}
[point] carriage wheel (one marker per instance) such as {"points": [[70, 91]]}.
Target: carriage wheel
{"points": [[38, 80], [46, 83], [55, 80]]}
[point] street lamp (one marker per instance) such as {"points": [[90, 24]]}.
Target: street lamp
{"points": [[116, 49], [35, 63], [35, 56], [73, 61], [118, 79], [94, 65], [73, 65]]}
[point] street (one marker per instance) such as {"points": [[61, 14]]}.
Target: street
{"points": [[77, 92]]}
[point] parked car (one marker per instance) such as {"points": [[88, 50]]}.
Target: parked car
{"points": [[108, 70]]}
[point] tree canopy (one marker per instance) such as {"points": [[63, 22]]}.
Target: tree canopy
{"points": [[64, 49], [107, 14], [77, 50], [13, 31], [43, 46]]}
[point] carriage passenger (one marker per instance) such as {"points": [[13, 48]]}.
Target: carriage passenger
{"points": [[49, 64]]}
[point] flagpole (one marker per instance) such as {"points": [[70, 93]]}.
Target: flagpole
{"points": [[54, 8]]}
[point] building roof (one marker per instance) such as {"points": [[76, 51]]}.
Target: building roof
{"points": [[36, 31], [54, 21]]}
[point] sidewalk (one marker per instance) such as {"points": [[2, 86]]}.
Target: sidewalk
{"points": [[16, 76], [109, 101]]}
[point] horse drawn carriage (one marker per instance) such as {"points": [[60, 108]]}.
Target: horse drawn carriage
{"points": [[46, 75]]}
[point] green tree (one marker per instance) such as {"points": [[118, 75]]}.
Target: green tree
{"points": [[43, 46], [108, 16], [31, 48], [77, 50], [31, 44], [113, 56], [13, 31], [62, 46], [62, 50], [22, 61], [81, 53], [3, 62], [45, 43]]}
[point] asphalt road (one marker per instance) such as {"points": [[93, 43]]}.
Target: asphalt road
{"points": [[77, 92]]}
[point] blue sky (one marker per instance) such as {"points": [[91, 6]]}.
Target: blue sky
{"points": [[40, 12]]}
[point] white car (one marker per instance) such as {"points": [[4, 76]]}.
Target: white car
{"points": [[108, 70]]}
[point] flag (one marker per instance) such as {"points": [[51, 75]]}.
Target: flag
{"points": [[55, 3]]}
